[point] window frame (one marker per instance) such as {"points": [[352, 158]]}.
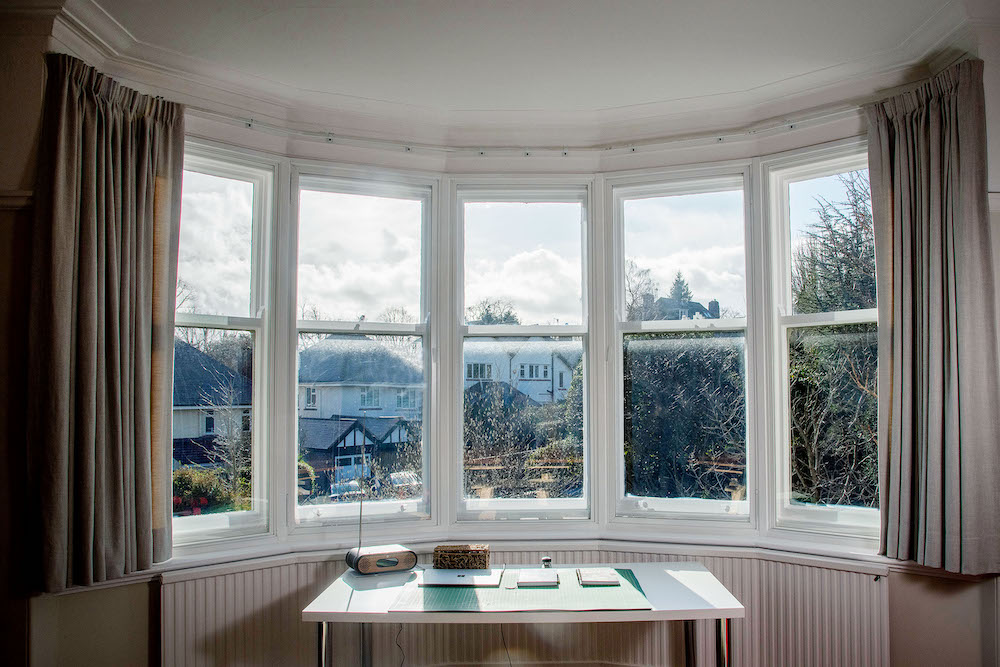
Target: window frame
{"points": [[217, 160], [342, 518], [442, 325], [852, 527], [695, 515], [551, 515]]}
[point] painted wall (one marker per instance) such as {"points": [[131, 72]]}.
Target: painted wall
{"points": [[107, 626], [345, 400]]}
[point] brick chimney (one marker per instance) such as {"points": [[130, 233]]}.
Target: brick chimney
{"points": [[713, 309]]}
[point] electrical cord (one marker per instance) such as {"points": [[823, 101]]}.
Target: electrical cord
{"points": [[506, 650], [402, 659]]}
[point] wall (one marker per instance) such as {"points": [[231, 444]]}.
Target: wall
{"points": [[107, 626], [22, 42]]}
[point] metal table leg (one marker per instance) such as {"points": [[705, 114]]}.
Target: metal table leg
{"points": [[366, 645], [723, 644], [689, 647], [322, 660]]}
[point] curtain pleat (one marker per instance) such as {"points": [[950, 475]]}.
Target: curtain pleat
{"points": [[104, 269], [939, 383]]}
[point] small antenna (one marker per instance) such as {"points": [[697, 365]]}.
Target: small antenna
{"points": [[361, 502]]}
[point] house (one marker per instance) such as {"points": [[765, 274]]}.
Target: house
{"points": [[355, 376], [502, 95], [210, 399], [342, 448], [666, 308], [539, 368]]}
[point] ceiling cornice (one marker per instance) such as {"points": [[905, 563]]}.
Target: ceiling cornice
{"points": [[84, 28]]}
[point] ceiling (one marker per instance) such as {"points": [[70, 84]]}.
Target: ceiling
{"points": [[521, 55]]}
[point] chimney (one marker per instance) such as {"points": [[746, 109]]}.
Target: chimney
{"points": [[713, 309], [647, 301]]}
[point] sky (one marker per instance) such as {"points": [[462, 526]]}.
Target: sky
{"points": [[359, 255], [528, 254], [700, 235], [214, 260]]}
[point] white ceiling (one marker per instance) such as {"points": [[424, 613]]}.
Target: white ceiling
{"points": [[449, 56]]}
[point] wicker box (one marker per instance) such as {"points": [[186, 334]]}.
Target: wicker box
{"points": [[462, 557]]}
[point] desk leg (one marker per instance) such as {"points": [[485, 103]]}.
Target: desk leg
{"points": [[689, 646], [323, 645], [366, 645], [723, 644]]}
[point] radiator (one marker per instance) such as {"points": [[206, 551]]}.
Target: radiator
{"points": [[798, 614]]}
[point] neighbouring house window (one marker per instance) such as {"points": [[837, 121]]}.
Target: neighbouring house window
{"points": [[369, 397], [310, 398], [361, 264], [562, 382], [523, 447], [406, 398], [219, 469], [684, 410], [478, 371]]}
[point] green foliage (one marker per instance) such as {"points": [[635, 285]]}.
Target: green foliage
{"points": [[834, 269], [205, 490], [833, 370], [680, 291], [833, 413], [685, 415]]}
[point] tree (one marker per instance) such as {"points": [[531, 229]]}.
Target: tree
{"points": [[640, 293], [186, 298], [833, 369], [679, 290], [834, 268], [492, 311]]}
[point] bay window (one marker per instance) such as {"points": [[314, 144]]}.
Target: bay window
{"points": [[362, 348], [826, 321], [681, 326], [691, 357], [219, 469], [523, 437]]}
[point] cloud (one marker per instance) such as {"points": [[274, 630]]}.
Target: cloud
{"points": [[545, 288]]}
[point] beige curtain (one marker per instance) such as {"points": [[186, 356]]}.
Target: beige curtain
{"points": [[939, 393], [104, 267]]}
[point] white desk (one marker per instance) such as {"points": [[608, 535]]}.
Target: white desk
{"points": [[676, 591]]}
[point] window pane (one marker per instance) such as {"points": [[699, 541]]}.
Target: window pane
{"points": [[684, 257], [833, 414], [523, 436], [832, 243], [213, 396], [213, 267], [523, 263], [353, 439], [685, 415], [359, 257]]}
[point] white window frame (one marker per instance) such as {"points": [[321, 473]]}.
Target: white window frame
{"points": [[310, 398], [341, 518], [549, 514], [854, 527], [212, 159], [688, 513]]}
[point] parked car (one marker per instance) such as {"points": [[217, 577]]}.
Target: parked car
{"points": [[405, 484], [349, 490]]}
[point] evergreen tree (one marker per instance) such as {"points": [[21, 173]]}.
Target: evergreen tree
{"points": [[680, 291]]}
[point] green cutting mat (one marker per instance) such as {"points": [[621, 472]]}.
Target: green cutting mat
{"points": [[569, 596]]}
